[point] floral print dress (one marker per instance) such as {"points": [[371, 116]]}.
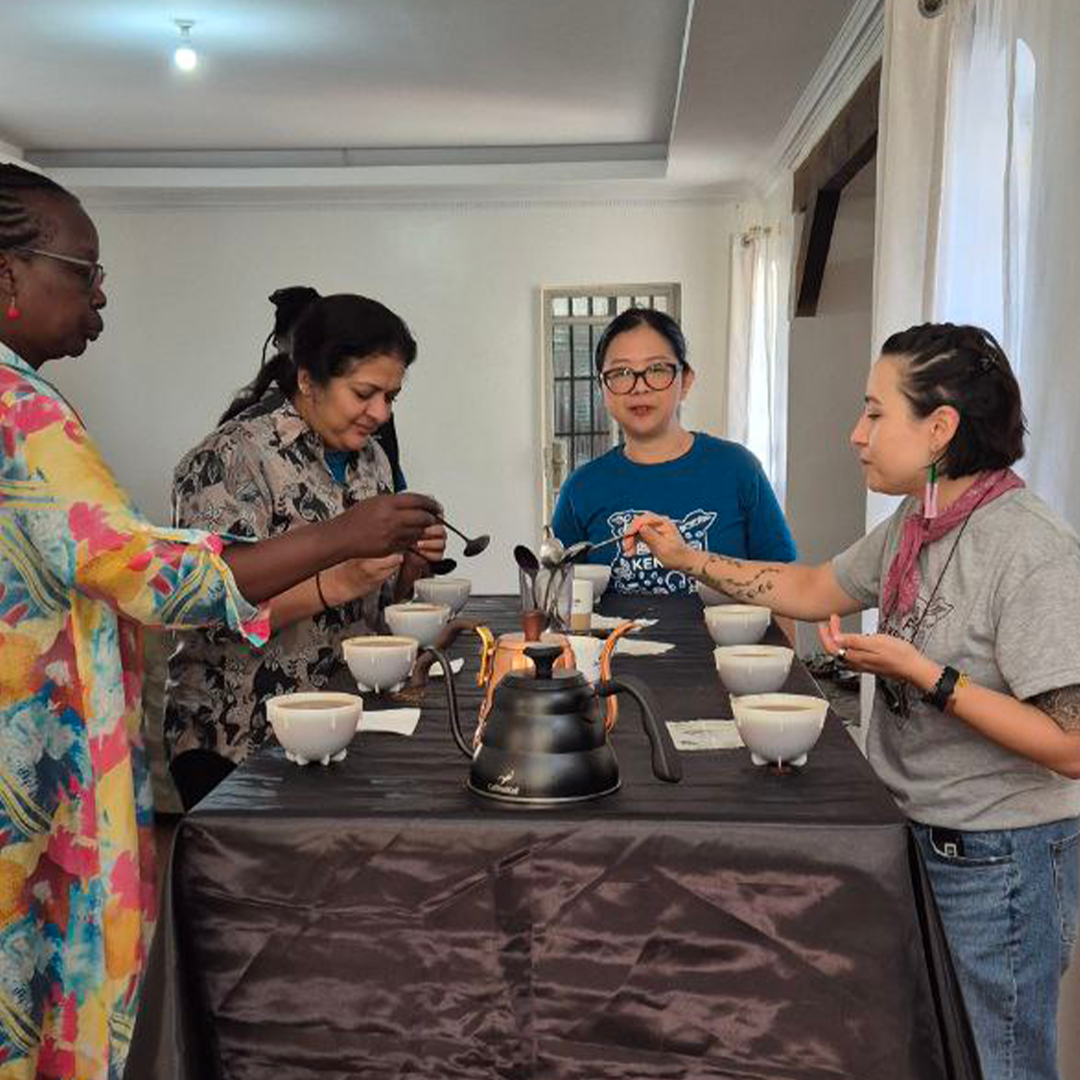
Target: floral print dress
{"points": [[80, 570]]}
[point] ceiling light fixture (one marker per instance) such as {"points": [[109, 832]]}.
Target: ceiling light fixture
{"points": [[185, 57]]}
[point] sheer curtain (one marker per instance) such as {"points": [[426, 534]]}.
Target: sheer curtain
{"points": [[986, 174], [757, 359]]}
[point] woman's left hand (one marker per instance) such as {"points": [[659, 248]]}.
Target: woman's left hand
{"points": [[879, 654]]}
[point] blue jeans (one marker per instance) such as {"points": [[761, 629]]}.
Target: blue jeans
{"points": [[1008, 902]]}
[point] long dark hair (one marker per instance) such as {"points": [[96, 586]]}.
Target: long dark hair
{"points": [[965, 367], [324, 336], [21, 223]]}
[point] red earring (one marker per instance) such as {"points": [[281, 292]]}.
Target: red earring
{"points": [[13, 311]]}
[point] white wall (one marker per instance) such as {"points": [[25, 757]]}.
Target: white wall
{"points": [[828, 359], [188, 313]]}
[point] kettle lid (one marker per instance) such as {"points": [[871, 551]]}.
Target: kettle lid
{"points": [[545, 676]]}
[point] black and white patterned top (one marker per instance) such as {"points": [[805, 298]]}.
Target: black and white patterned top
{"points": [[255, 477]]}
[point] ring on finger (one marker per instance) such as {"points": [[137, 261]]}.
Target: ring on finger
{"points": [[841, 653]]}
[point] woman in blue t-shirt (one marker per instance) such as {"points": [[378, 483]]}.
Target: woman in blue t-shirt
{"points": [[713, 489]]}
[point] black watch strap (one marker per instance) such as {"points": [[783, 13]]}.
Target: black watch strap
{"points": [[943, 689]]}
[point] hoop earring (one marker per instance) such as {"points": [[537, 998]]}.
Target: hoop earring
{"points": [[930, 498]]}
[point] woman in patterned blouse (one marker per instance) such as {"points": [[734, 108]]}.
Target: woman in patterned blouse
{"points": [[80, 570], [296, 446]]}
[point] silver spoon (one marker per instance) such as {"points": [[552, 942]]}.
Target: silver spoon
{"points": [[583, 547], [529, 565], [551, 549]]}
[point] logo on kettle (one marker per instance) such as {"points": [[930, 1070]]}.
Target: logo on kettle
{"points": [[503, 786]]}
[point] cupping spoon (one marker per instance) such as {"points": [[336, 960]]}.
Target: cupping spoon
{"points": [[473, 544]]}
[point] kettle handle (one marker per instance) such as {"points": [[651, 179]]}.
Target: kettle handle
{"points": [[665, 758], [451, 697]]}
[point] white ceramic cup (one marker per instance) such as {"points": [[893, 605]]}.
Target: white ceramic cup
{"points": [[380, 663], [779, 728], [598, 573], [587, 650], [753, 669], [417, 620], [451, 591], [581, 603], [315, 725], [737, 624], [713, 597]]}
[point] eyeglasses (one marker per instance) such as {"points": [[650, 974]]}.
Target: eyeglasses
{"points": [[623, 380], [93, 273]]}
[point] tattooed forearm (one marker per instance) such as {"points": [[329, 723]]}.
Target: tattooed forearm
{"points": [[1061, 705], [716, 572]]}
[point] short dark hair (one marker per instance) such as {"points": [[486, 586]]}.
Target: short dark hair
{"points": [[21, 222], [331, 332], [965, 367], [660, 321]]}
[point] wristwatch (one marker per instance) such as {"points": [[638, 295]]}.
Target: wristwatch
{"points": [[948, 683]]}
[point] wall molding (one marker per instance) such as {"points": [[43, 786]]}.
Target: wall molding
{"points": [[149, 200], [857, 47]]}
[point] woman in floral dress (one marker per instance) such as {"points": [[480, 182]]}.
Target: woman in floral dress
{"points": [[80, 571]]}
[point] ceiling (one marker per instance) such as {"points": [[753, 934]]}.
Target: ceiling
{"points": [[683, 92]]}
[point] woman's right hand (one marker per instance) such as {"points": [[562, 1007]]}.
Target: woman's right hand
{"points": [[355, 578], [663, 539], [385, 524]]}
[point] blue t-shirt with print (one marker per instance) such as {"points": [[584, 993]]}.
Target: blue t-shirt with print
{"points": [[717, 493]]}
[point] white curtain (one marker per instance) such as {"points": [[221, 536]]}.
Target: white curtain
{"points": [[986, 173], [978, 217], [757, 362]]}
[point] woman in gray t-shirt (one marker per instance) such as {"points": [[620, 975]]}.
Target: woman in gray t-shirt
{"points": [[976, 719]]}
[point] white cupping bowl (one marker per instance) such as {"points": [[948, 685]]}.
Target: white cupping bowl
{"points": [[451, 591], [598, 573], [314, 734], [380, 662], [753, 669], [712, 597], [418, 620], [779, 728], [737, 624]]}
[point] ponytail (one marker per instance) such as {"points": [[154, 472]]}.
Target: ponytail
{"points": [[279, 370]]}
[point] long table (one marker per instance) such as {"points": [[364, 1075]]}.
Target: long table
{"points": [[374, 919]]}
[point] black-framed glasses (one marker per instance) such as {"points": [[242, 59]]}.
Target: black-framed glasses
{"points": [[93, 273], [659, 375]]}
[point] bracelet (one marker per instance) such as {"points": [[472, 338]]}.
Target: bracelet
{"points": [[948, 683], [318, 589]]}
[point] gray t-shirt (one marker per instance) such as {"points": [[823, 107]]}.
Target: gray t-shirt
{"points": [[1006, 612]]}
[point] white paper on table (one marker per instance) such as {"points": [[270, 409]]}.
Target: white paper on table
{"points": [[641, 647], [455, 666], [395, 721], [609, 622], [705, 734]]}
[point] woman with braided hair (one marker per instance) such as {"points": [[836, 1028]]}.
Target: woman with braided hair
{"points": [[976, 720], [80, 570]]}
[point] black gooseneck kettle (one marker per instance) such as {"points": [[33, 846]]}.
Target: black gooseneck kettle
{"points": [[544, 741]]}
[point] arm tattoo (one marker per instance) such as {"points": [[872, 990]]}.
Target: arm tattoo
{"points": [[1061, 705], [745, 588]]}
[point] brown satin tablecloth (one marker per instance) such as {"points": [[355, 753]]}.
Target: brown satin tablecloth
{"points": [[373, 919]]}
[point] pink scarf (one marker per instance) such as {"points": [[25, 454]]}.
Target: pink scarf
{"points": [[902, 580]]}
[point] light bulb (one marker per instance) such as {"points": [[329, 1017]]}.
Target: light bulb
{"points": [[185, 57]]}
